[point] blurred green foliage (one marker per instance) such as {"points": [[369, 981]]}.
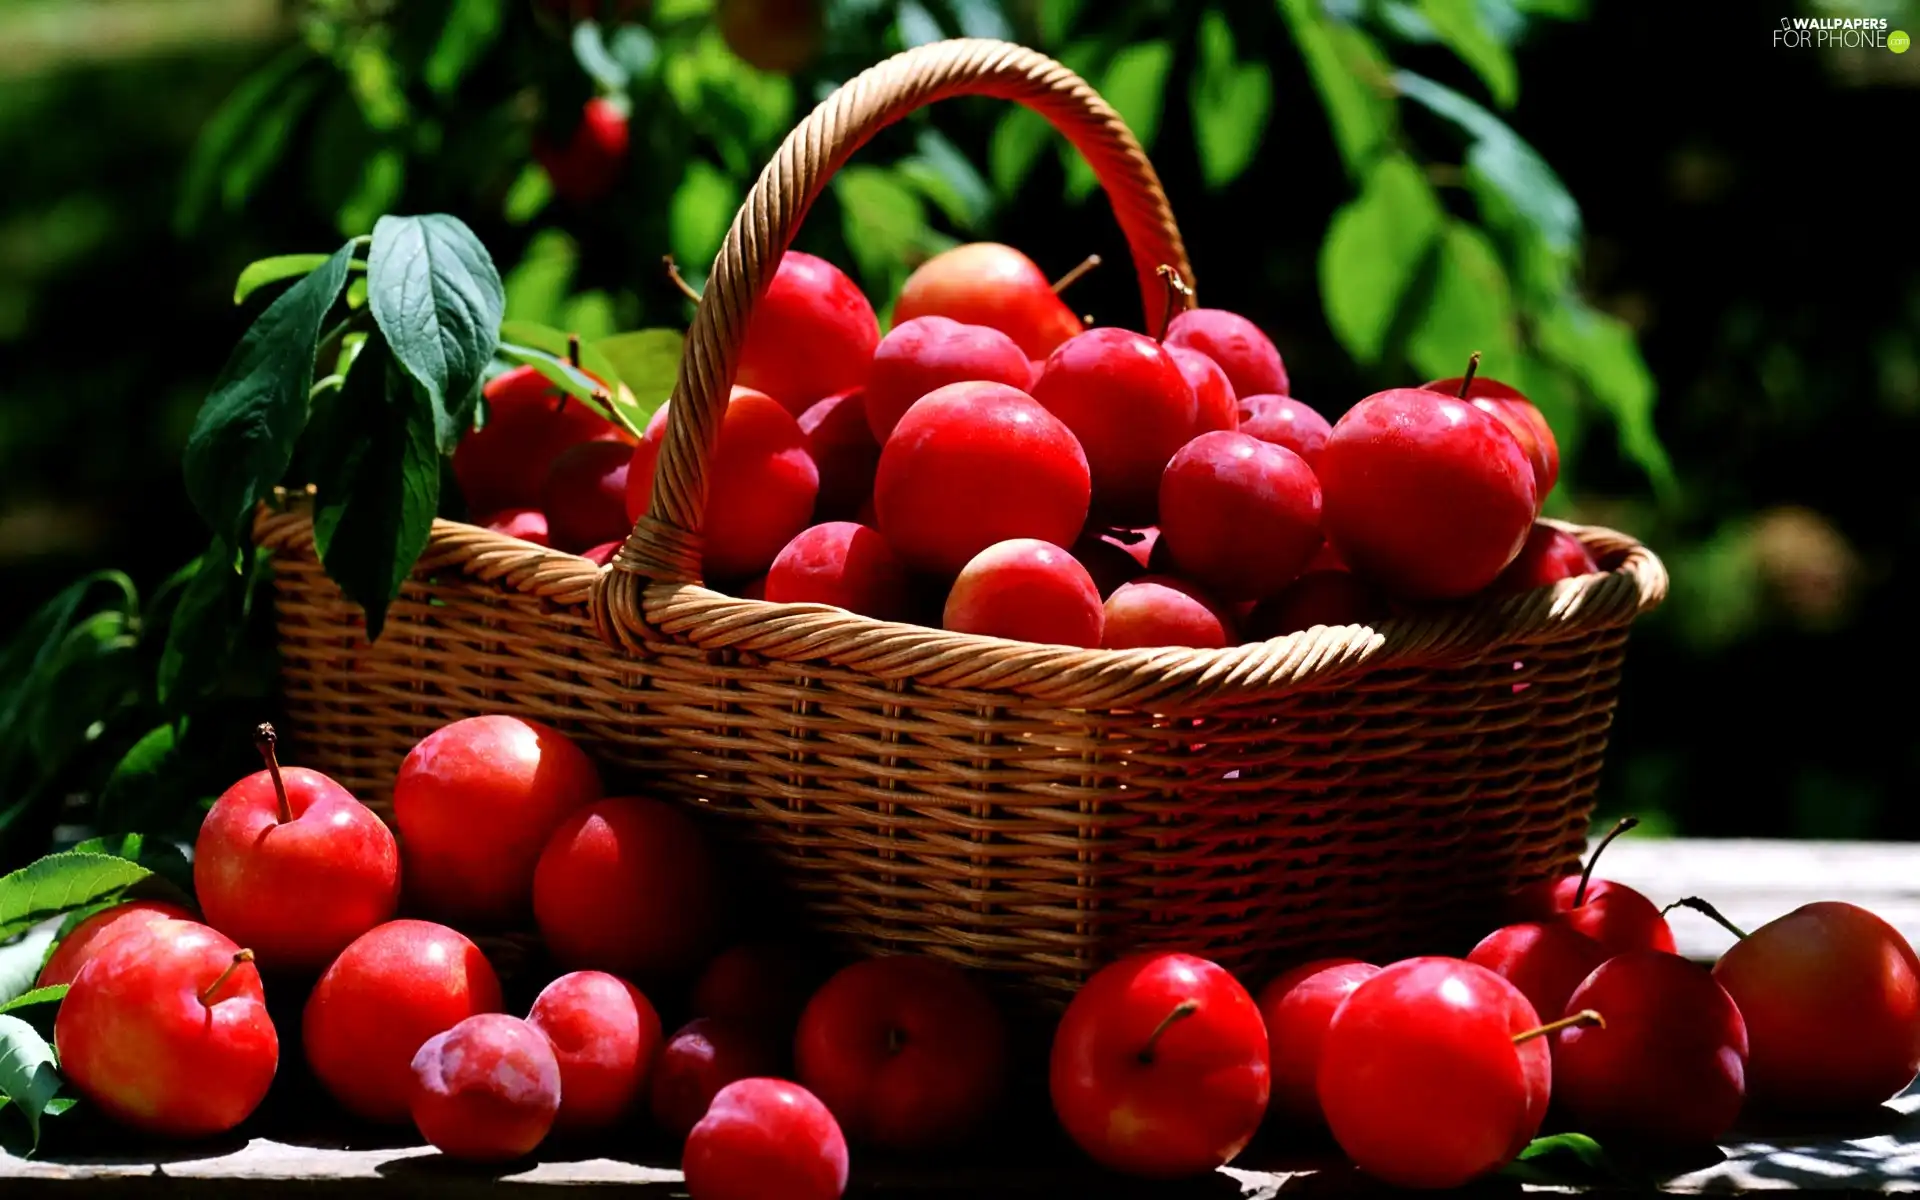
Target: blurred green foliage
{"points": [[1387, 185]]}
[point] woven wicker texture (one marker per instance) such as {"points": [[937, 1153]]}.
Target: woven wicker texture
{"points": [[1029, 810]]}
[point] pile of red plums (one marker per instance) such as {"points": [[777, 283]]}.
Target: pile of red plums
{"points": [[992, 466], [1427, 1072]]}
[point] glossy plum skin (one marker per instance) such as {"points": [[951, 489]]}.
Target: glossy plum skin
{"points": [[764, 1138], [294, 893], [136, 1038], [812, 335], [1420, 1079], [627, 885], [1159, 610], [1523, 420], [527, 524], [973, 464], [1166, 1107], [589, 164], [585, 498], [1427, 495], [702, 1057], [1129, 407], [1027, 590], [1243, 351], [1613, 914], [1831, 997], [1241, 517], [1297, 1007], [475, 801], [602, 554], [907, 1052], [986, 283], [1546, 960], [1668, 1066], [505, 463], [761, 484], [1549, 556], [605, 1036], [486, 1090], [763, 985], [928, 353], [1319, 597], [844, 453], [388, 992], [1285, 421], [1215, 406], [98, 931], [844, 564]]}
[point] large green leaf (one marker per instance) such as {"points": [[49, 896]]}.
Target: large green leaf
{"points": [[741, 112], [52, 994], [701, 210], [265, 271], [1373, 251], [1349, 72], [648, 361], [435, 293], [1461, 26], [572, 382], [20, 962], [206, 624], [60, 882], [379, 485], [1135, 83], [244, 436], [27, 1074], [884, 223], [1601, 351], [1469, 308], [554, 341], [97, 673], [1230, 101]]}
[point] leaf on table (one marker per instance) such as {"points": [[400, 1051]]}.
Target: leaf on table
{"points": [[52, 994], [244, 436], [1374, 249], [1460, 25], [1469, 308], [27, 1074], [21, 960], [379, 483], [60, 882], [1230, 101], [1135, 84], [648, 364], [1350, 73], [436, 296], [1563, 1160]]}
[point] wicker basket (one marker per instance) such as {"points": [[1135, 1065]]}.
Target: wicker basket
{"points": [[1029, 810]]}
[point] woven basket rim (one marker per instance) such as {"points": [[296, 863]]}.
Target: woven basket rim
{"points": [[820, 635]]}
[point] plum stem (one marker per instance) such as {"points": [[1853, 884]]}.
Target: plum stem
{"points": [[678, 280], [1585, 1016], [213, 989], [1473, 368], [1076, 274], [1182, 1010], [573, 350], [1713, 914], [1179, 297], [1586, 874], [264, 740]]}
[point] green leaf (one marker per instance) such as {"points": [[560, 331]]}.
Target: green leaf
{"points": [[575, 384], [374, 80], [948, 178], [884, 224], [206, 625], [1135, 84], [590, 51], [530, 194], [46, 995], [1497, 158], [437, 298], [27, 1074], [96, 674], [60, 882], [1350, 73], [1230, 101], [554, 342], [700, 212], [1018, 141], [1373, 251], [378, 183], [1459, 24], [915, 26], [648, 362], [1054, 20], [221, 136], [244, 436], [1601, 351], [741, 112], [379, 485], [981, 19], [21, 960], [1563, 1160], [470, 29], [261, 272], [1469, 308], [537, 286], [265, 143]]}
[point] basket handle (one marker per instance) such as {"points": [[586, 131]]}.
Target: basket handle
{"points": [[665, 545]]}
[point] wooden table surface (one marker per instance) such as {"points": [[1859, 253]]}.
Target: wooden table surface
{"points": [[1750, 881]]}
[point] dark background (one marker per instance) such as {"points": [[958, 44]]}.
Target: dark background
{"points": [[1742, 214]]}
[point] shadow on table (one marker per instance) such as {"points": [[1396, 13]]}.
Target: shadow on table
{"points": [[1865, 1153]]}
